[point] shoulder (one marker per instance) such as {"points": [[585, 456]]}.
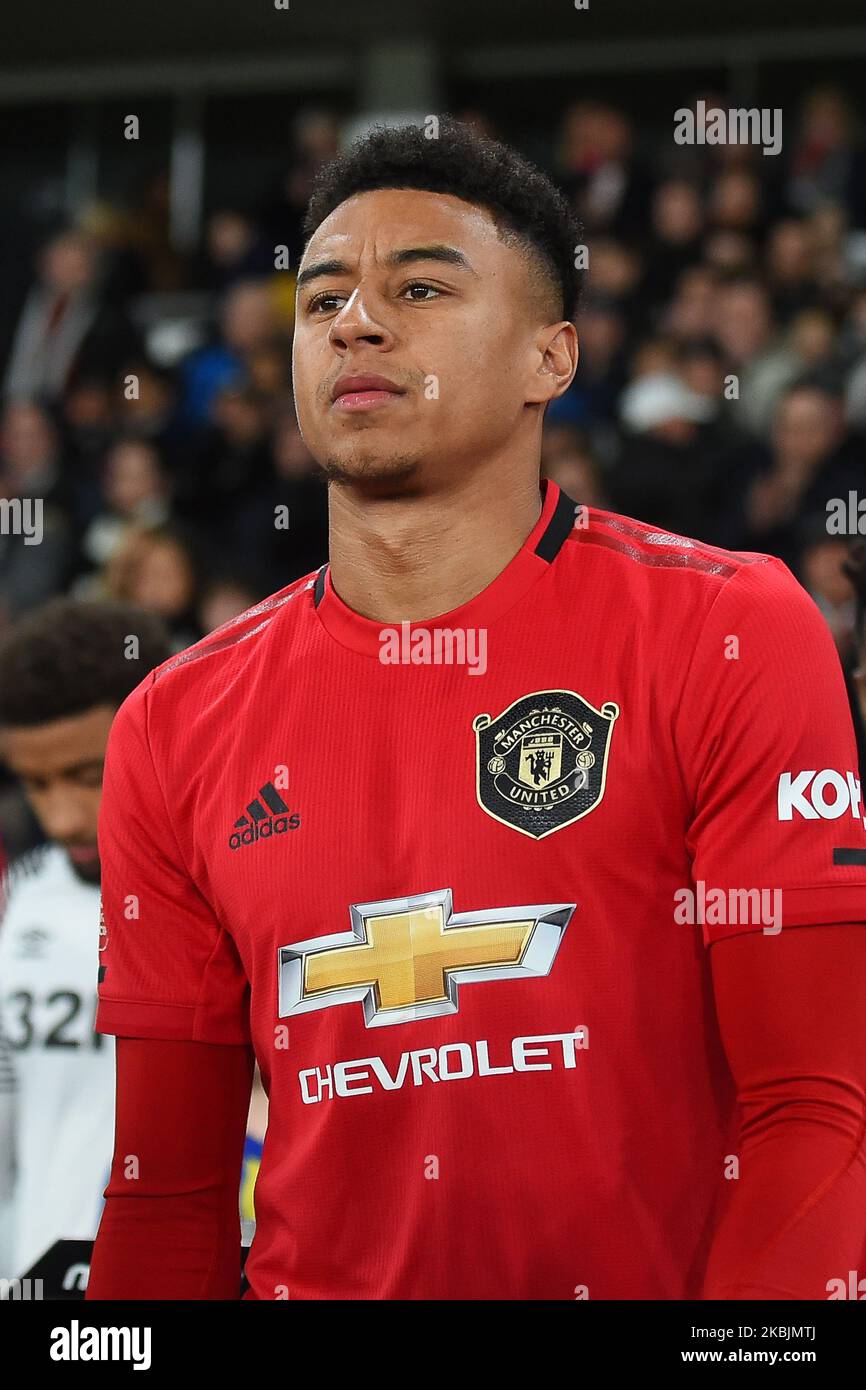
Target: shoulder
{"points": [[204, 672], [227, 642], [638, 555], [31, 866], [27, 876], [639, 543]]}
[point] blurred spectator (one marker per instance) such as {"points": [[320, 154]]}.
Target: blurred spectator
{"points": [[655, 356], [569, 462], [828, 227], [854, 342], [669, 470], [762, 361], [88, 416], [32, 569], [234, 249], [270, 369], [599, 168], [729, 252], [156, 568], [136, 241], [316, 136], [248, 323], [146, 401], [691, 312], [558, 440], [229, 473], [677, 230], [812, 338], [827, 165], [822, 566], [855, 664], [734, 203], [64, 328], [223, 599], [791, 268], [812, 459], [701, 367], [136, 492], [602, 345], [296, 493]]}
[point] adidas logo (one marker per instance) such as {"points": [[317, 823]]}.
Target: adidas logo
{"points": [[257, 824]]}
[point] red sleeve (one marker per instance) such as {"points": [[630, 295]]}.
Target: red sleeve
{"points": [[170, 1228], [169, 969], [792, 1014], [768, 755]]}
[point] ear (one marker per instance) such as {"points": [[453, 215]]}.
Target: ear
{"points": [[554, 362]]}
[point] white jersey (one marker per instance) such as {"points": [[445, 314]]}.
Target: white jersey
{"points": [[62, 1131]]}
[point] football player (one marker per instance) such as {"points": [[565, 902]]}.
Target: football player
{"points": [[522, 844], [64, 670]]}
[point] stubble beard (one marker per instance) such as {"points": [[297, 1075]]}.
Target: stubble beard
{"points": [[90, 873], [376, 475]]}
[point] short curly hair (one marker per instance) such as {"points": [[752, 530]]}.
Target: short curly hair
{"points": [[524, 203], [70, 655]]}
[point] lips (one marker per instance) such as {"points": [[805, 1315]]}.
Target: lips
{"points": [[363, 391], [82, 854], [348, 385]]}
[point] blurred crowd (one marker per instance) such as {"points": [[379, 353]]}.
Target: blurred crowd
{"points": [[722, 385], [146, 395]]}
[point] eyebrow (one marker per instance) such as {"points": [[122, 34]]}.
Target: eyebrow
{"points": [[71, 768], [446, 255]]}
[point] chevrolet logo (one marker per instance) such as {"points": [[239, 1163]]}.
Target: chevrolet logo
{"points": [[404, 958]]}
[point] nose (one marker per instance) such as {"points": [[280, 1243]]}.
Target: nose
{"points": [[359, 322]]}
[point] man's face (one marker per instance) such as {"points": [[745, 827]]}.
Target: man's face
{"points": [[68, 263], [60, 767], [416, 338], [808, 425]]}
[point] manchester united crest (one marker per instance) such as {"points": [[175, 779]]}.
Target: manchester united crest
{"points": [[542, 762]]}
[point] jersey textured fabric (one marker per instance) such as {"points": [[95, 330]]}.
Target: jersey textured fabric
{"points": [[793, 1021], [170, 1228], [63, 1126], [792, 1187], [458, 898]]}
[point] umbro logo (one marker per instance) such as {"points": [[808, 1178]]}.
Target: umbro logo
{"points": [[266, 815], [33, 943]]}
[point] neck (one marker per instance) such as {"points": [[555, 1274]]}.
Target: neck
{"points": [[408, 559]]}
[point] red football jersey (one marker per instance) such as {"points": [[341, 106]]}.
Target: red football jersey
{"points": [[456, 882]]}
